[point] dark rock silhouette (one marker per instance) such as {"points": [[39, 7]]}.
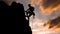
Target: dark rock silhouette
{"points": [[13, 20], [55, 22], [27, 28], [3, 8]]}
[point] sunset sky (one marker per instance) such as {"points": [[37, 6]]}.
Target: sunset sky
{"points": [[45, 10], [41, 13]]}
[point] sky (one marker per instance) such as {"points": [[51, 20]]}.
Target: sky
{"points": [[39, 12], [45, 10]]}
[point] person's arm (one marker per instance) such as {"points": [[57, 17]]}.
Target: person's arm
{"points": [[27, 10]]}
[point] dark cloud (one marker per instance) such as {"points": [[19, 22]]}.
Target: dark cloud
{"points": [[55, 22], [49, 3], [48, 6]]}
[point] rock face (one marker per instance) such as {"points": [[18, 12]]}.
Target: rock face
{"points": [[13, 19]]}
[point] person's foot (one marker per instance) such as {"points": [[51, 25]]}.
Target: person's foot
{"points": [[33, 17]]}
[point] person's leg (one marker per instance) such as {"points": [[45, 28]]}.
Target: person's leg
{"points": [[33, 15], [30, 14]]}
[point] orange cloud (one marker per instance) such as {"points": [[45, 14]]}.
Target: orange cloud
{"points": [[47, 6], [55, 23]]}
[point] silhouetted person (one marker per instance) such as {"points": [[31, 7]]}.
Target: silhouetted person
{"points": [[30, 11]]}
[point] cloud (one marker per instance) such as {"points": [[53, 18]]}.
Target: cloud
{"points": [[52, 3], [55, 22], [47, 6]]}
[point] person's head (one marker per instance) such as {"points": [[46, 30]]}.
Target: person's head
{"points": [[29, 5]]}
